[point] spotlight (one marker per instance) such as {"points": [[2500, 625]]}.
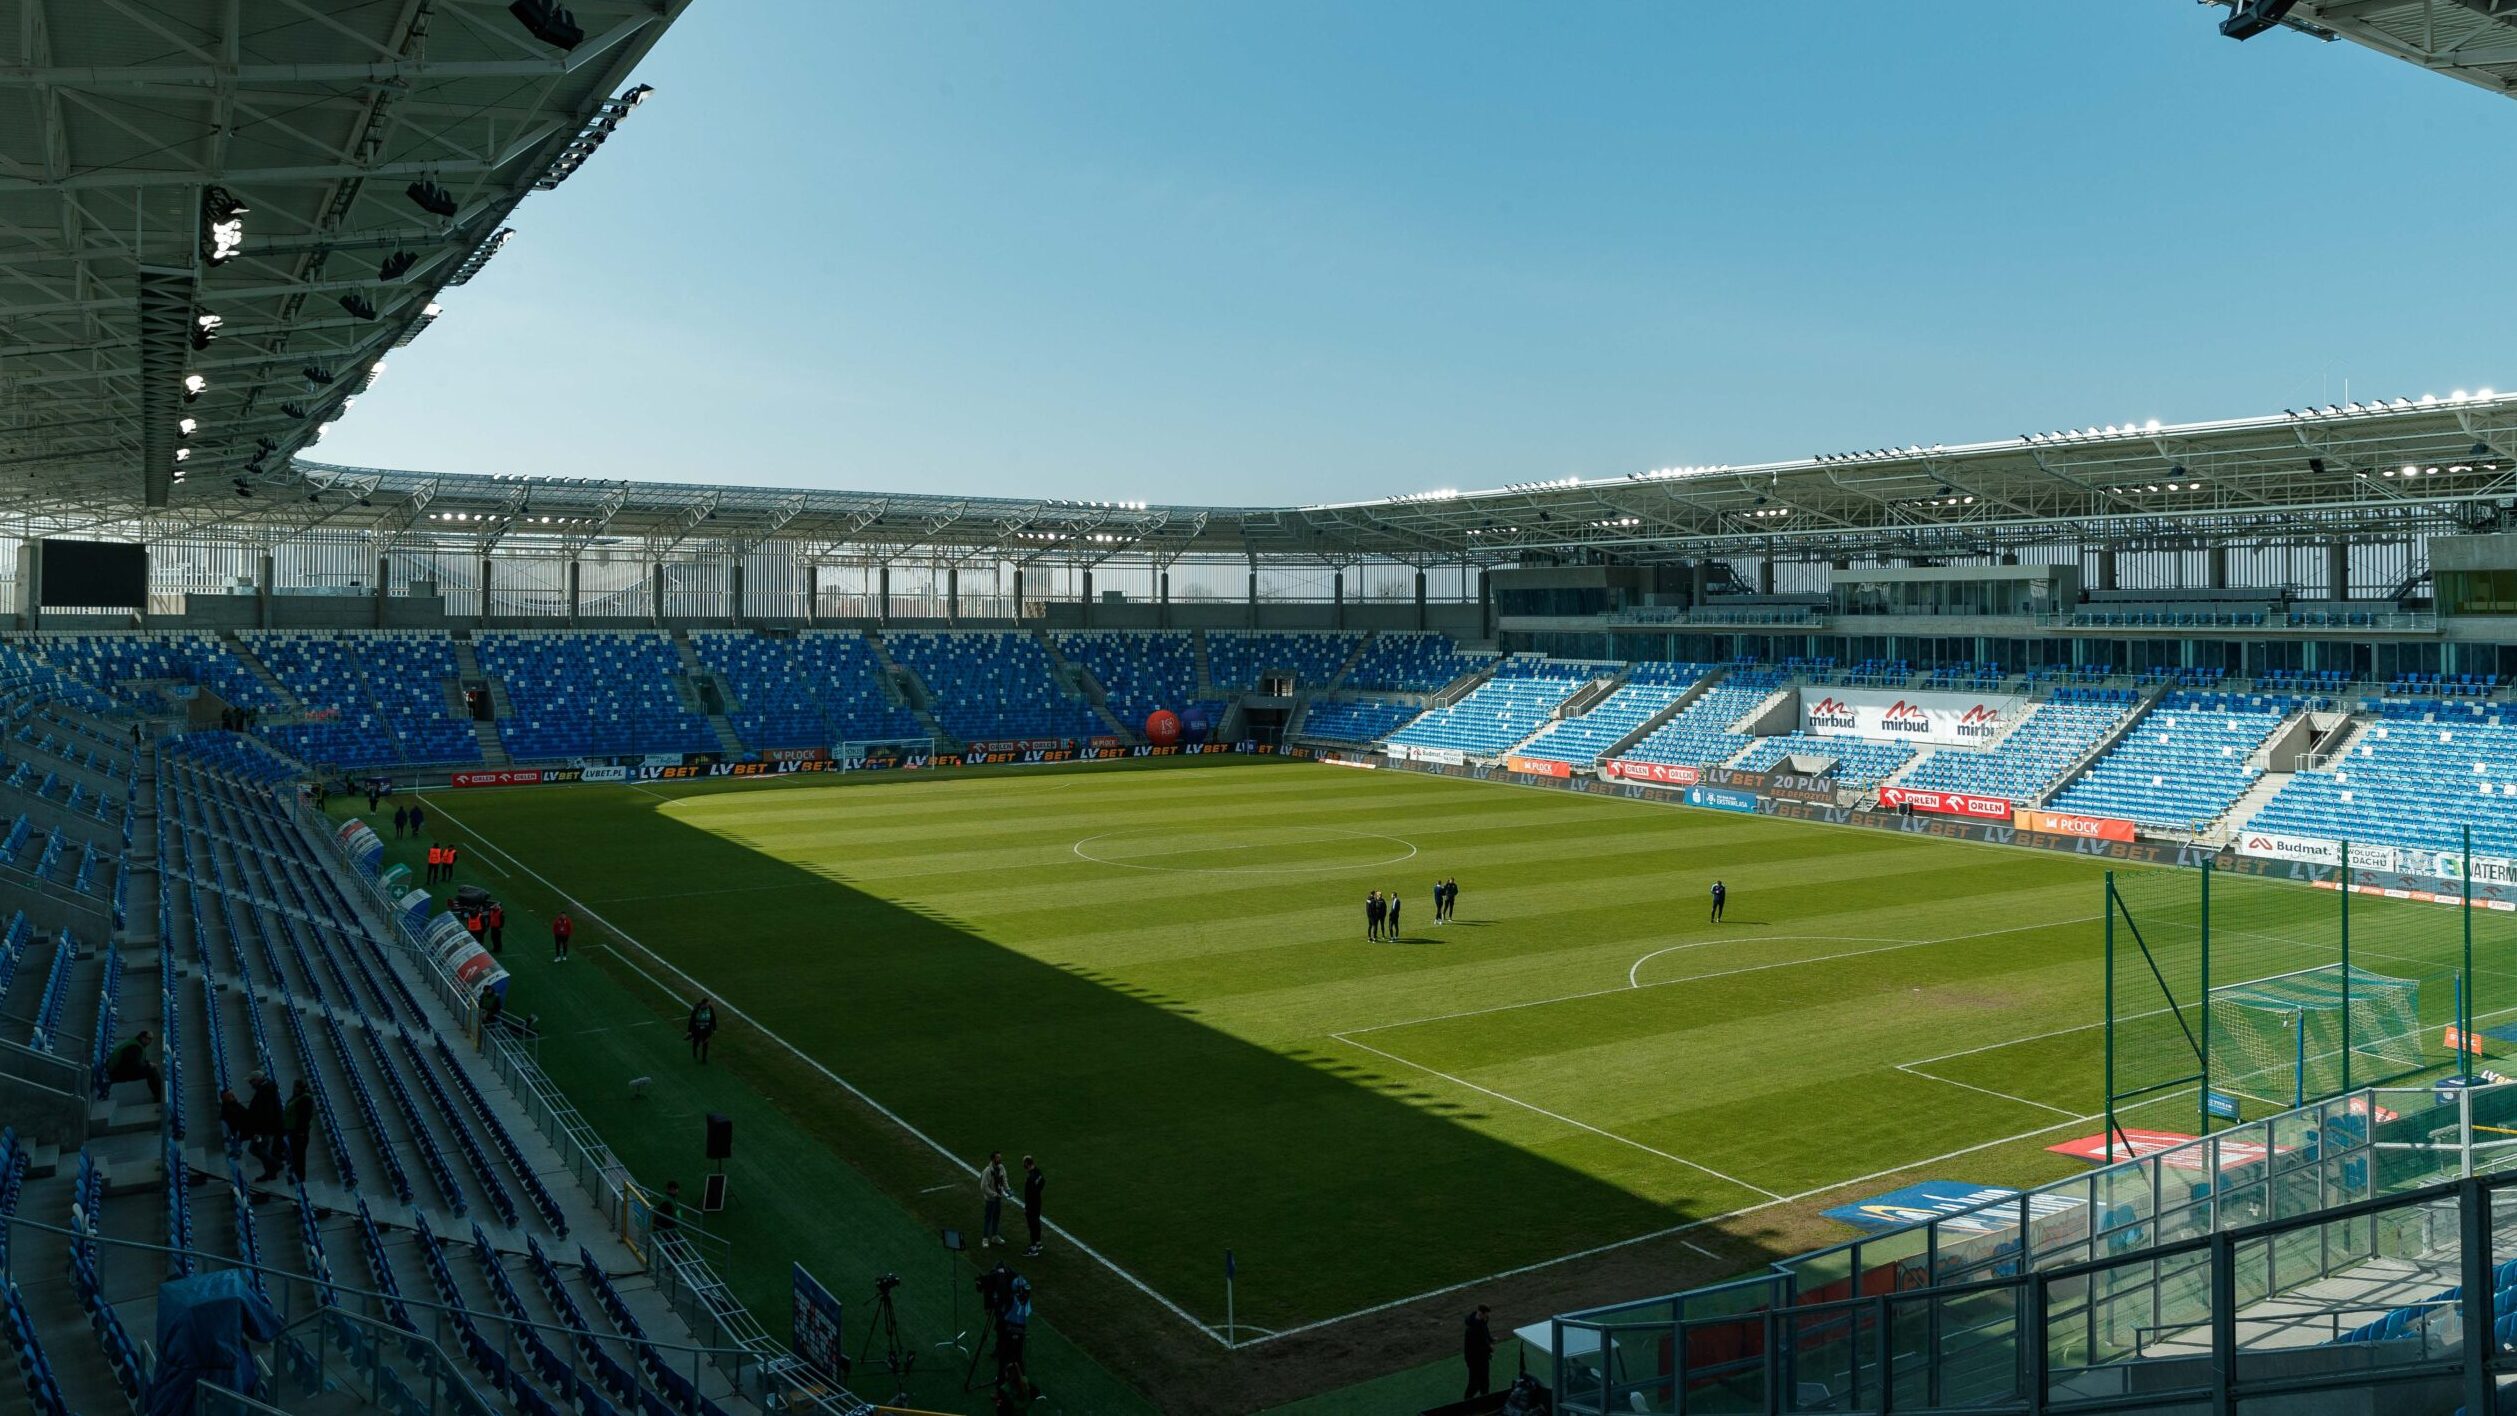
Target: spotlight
{"points": [[185, 426], [182, 452], [548, 22], [222, 226], [194, 386], [2316, 465], [359, 305], [431, 198], [204, 329], [2252, 17], [294, 410], [316, 377], [397, 265]]}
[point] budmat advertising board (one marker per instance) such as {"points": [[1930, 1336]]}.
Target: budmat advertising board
{"points": [[1956, 719]]}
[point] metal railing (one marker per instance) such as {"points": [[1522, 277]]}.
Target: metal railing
{"points": [[2202, 1272]]}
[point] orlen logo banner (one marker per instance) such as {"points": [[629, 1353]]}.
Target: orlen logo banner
{"points": [[1666, 773], [1955, 719], [1978, 808], [2087, 828]]}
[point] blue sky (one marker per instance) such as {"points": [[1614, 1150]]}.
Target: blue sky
{"points": [[1320, 251]]}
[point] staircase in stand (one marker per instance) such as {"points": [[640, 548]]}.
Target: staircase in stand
{"points": [[1205, 670], [1085, 685], [468, 668], [689, 686], [262, 672], [902, 684]]}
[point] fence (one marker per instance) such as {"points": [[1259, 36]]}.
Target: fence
{"points": [[2353, 1246]]}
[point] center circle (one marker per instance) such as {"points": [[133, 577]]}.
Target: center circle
{"points": [[1264, 850]]}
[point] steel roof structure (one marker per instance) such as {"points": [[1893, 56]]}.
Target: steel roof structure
{"points": [[2473, 41], [317, 137], [2390, 471]]}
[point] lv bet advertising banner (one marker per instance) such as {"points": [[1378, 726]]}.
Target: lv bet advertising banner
{"points": [[1952, 719]]}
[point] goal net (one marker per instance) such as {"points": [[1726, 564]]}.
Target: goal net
{"points": [[2292, 1038]]}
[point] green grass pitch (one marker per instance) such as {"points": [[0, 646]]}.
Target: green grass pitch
{"points": [[1158, 981]]}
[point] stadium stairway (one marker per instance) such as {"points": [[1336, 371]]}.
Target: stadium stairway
{"points": [[1337, 681], [1087, 685], [261, 671], [1205, 667], [2147, 698], [690, 685], [1652, 724], [902, 682]]}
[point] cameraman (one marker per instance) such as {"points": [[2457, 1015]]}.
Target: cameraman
{"points": [[1013, 1326]]}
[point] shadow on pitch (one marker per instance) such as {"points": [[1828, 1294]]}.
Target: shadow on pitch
{"points": [[1169, 1140]]}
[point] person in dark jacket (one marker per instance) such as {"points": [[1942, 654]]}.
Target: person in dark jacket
{"points": [[1034, 1183], [301, 1127], [401, 818], [1372, 910], [130, 1063], [266, 1125], [1392, 930], [703, 1026], [1477, 1349], [497, 927], [419, 819], [1721, 897], [234, 1121]]}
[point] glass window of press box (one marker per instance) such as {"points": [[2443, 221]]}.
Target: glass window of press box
{"points": [[2478, 592], [2006, 596]]}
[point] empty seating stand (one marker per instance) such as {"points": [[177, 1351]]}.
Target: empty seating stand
{"points": [[994, 684], [2183, 765], [591, 694], [1500, 712], [2418, 776], [2051, 737], [1702, 733]]}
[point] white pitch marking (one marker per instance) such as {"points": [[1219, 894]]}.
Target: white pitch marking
{"points": [[1553, 1115], [843, 1084], [1910, 1071]]}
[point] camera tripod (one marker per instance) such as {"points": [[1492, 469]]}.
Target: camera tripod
{"points": [[898, 1359]]}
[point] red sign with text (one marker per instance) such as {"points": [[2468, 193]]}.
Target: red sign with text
{"points": [[1666, 773], [1966, 804]]}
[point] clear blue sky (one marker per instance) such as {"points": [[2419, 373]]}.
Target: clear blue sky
{"points": [[1317, 251]]}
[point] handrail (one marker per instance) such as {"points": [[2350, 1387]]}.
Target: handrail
{"points": [[273, 1274]]}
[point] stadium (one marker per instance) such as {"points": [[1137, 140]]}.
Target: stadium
{"points": [[2017, 926]]}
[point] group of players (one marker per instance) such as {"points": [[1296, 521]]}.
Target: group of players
{"points": [[1381, 912]]}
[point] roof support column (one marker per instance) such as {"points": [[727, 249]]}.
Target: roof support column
{"points": [[812, 592], [882, 593], [1337, 598], [1253, 600], [30, 582], [262, 590], [2106, 568], [655, 591], [482, 618], [1162, 598], [2338, 571], [576, 583], [1485, 606], [1018, 592], [734, 592], [1699, 577], [2215, 567], [1087, 619], [952, 594], [384, 581], [1421, 622]]}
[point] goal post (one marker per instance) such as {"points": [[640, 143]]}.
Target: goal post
{"points": [[2288, 1039]]}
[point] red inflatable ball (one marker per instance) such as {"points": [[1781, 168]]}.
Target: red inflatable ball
{"points": [[1162, 727]]}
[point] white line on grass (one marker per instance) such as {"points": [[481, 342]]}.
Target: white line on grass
{"points": [[1078, 849], [841, 1082], [1676, 1229], [1911, 1071], [1699, 1248], [1724, 973], [1552, 1115]]}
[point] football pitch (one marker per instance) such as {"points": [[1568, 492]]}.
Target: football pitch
{"points": [[1158, 981]]}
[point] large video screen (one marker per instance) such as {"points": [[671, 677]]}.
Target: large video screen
{"points": [[94, 575]]}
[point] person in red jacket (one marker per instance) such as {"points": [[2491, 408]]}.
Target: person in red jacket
{"points": [[497, 927], [561, 928]]}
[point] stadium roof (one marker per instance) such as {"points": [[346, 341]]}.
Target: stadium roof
{"points": [[2377, 471], [2471, 40], [128, 127]]}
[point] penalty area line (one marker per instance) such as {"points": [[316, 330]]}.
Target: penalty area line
{"points": [[841, 1082], [1554, 1115]]}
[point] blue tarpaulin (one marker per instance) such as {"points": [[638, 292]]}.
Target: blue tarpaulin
{"points": [[203, 1326]]}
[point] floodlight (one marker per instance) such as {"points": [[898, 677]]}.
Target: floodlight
{"points": [[194, 386], [395, 266], [222, 226], [185, 426], [431, 198], [359, 306], [204, 329], [548, 22]]}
